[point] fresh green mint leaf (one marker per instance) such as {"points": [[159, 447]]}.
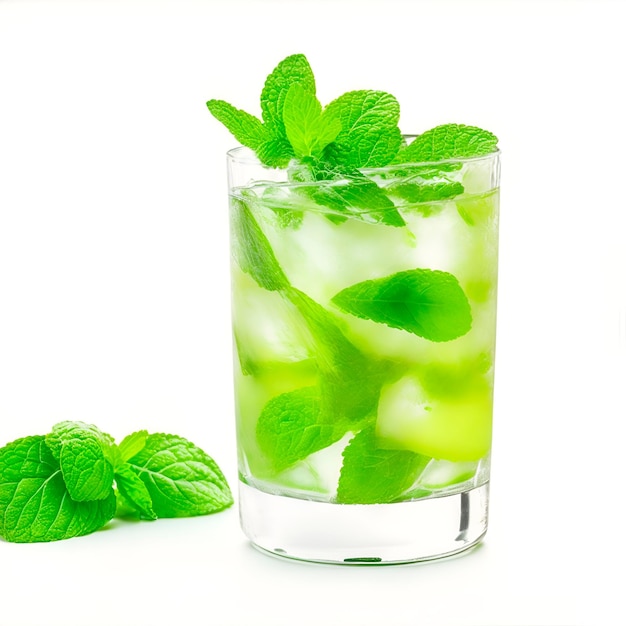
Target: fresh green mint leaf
{"points": [[369, 135], [275, 152], [308, 129], [272, 150], [252, 250], [290, 427], [374, 475], [427, 303], [294, 69], [350, 382], [35, 504], [134, 492], [449, 141], [349, 193], [86, 456], [246, 128], [132, 444], [182, 479]]}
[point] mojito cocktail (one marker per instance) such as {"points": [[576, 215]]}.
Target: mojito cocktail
{"points": [[364, 309]]}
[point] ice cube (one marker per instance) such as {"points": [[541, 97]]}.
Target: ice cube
{"points": [[457, 428], [267, 327], [322, 257]]}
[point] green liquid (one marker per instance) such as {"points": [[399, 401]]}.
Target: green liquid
{"points": [[432, 399]]}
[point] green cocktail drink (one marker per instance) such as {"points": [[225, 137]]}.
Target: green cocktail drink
{"points": [[364, 307]]}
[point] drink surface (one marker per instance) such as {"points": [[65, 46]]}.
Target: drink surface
{"points": [[365, 345]]}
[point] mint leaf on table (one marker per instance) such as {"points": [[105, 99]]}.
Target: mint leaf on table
{"points": [[61, 485], [427, 303], [369, 135], [86, 457], [374, 475], [134, 493], [132, 444], [289, 427], [35, 504], [448, 141], [252, 250], [182, 479]]}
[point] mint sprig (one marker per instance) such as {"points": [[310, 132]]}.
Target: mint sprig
{"points": [[70, 482], [357, 130]]}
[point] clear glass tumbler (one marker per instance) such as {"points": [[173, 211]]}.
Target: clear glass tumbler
{"points": [[364, 316]]}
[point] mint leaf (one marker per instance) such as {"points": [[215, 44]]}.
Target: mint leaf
{"points": [[350, 382], [374, 475], [271, 150], [275, 152], [246, 128], [369, 135], [427, 303], [35, 504], [308, 129], [350, 192], [449, 141], [134, 492], [86, 459], [132, 444], [252, 250], [182, 479], [294, 69], [289, 427]]}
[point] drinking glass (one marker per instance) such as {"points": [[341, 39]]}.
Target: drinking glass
{"points": [[364, 317]]}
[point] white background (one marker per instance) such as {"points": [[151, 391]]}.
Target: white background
{"points": [[114, 291]]}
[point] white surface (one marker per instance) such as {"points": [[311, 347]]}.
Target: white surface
{"points": [[114, 291]]}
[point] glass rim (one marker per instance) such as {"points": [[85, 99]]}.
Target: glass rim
{"points": [[246, 156]]}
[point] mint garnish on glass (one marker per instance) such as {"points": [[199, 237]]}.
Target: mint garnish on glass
{"points": [[72, 481], [357, 130]]}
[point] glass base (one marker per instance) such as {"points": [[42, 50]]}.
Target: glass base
{"points": [[364, 534]]}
